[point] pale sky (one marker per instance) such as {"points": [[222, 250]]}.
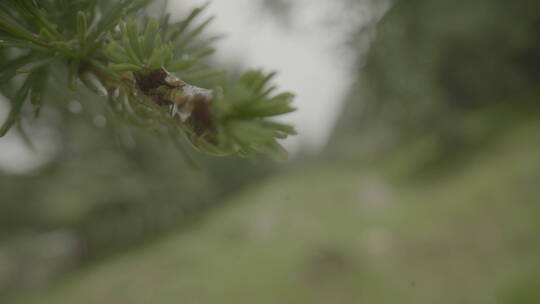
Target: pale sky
{"points": [[309, 56]]}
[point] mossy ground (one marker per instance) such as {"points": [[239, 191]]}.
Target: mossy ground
{"points": [[339, 234]]}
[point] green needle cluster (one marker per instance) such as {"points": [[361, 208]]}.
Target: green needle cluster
{"points": [[112, 46]]}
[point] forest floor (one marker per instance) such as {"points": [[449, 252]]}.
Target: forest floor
{"points": [[340, 234]]}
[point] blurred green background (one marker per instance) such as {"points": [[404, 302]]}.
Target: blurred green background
{"points": [[427, 192]]}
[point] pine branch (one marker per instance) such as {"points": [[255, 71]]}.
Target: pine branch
{"points": [[105, 48]]}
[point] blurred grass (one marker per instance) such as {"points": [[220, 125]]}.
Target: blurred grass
{"points": [[340, 234]]}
